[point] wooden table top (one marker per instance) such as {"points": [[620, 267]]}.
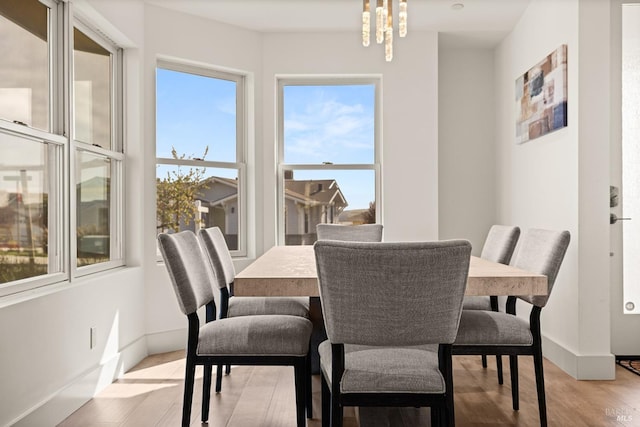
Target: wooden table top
{"points": [[291, 271]]}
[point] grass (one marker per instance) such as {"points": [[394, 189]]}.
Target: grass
{"points": [[10, 271]]}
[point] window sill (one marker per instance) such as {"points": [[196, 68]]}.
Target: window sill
{"points": [[64, 285]]}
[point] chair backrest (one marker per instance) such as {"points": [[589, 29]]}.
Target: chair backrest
{"points": [[406, 293], [350, 233], [542, 252], [218, 253], [500, 243], [189, 271]]}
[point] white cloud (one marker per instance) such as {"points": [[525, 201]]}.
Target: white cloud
{"points": [[328, 130]]}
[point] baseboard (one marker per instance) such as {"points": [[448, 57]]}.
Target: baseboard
{"points": [[581, 367], [627, 357], [166, 341], [63, 403]]}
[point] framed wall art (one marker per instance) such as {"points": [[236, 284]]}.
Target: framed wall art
{"points": [[541, 97]]}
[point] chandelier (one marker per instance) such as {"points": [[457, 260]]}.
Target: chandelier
{"points": [[384, 23]]}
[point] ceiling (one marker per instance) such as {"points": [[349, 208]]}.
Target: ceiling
{"points": [[479, 23]]}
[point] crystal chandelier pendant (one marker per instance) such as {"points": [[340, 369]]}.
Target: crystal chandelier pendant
{"points": [[379, 21], [388, 33], [384, 23], [366, 23], [402, 19]]}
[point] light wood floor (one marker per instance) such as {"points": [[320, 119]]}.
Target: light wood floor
{"points": [[151, 395]]}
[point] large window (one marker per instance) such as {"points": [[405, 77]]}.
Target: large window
{"points": [[200, 175], [328, 154], [60, 162]]}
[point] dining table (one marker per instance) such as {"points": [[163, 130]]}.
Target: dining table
{"points": [[291, 271]]}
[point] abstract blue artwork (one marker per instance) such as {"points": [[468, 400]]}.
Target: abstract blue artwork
{"points": [[541, 97]]}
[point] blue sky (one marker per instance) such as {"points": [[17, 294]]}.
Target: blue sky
{"points": [[195, 112], [322, 124]]}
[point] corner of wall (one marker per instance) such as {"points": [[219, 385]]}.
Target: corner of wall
{"points": [[63, 403], [581, 367]]}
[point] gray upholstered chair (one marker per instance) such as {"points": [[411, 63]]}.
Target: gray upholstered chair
{"points": [[391, 311], [498, 247], [246, 340], [222, 263], [490, 332], [350, 233]]}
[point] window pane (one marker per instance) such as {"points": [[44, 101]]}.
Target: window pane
{"points": [[332, 123], [24, 63], [92, 91], [326, 196], [93, 177], [195, 113], [190, 198], [23, 208]]}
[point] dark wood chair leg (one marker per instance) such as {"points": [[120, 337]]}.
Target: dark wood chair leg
{"points": [[206, 392], [515, 397], [436, 416], [227, 369], [499, 369], [484, 360], [446, 367], [326, 403], [542, 404], [189, 379], [449, 414], [308, 387], [336, 408], [219, 379], [300, 369]]}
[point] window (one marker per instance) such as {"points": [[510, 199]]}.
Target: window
{"points": [[43, 170], [328, 154], [25, 66], [200, 177], [97, 151]]}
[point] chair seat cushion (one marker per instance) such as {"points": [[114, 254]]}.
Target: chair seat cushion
{"points": [[250, 306], [255, 335], [476, 303], [492, 328], [386, 369]]}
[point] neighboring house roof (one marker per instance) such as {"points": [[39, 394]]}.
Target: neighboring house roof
{"points": [[221, 201], [309, 192], [208, 184], [322, 191], [231, 182]]}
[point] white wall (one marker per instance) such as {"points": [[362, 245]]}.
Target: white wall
{"points": [[466, 148], [560, 181], [409, 128]]}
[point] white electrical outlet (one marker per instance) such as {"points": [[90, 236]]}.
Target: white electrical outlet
{"points": [[93, 332]]}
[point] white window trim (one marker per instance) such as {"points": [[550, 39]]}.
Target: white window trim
{"points": [[240, 164], [115, 154], [62, 232], [326, 80]]}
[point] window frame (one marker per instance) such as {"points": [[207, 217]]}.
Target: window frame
{"points": [[282, 167], [61, 154], [115, 154], [240, 164]]}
